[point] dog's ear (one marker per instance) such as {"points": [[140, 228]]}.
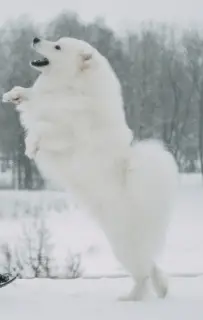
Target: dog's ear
{"points": [[86, 58]]}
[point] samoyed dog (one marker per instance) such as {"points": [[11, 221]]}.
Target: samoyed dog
{"points": [[78, 137]]}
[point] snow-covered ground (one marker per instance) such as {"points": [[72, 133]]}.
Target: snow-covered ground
{"points": [[96, 298], [72, 230]]}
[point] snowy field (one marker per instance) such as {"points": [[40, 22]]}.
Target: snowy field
{"points": [[95, 296], [72, 231], [97, 300]]}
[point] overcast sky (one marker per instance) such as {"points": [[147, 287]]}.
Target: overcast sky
{"points": [[118, 13]]}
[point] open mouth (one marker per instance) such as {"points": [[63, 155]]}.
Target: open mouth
{"points": [[40, 63]]}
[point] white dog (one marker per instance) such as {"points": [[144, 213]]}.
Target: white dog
{"points": [[78, 136]]}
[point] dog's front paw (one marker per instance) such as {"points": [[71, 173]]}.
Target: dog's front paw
{"points": [[16, 95], [31, 146], [31, 151]]}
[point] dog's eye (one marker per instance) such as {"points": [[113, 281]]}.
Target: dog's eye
{"points": [[57, 47]]}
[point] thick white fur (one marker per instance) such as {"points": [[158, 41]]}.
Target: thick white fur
{"points": [[78, 136]]}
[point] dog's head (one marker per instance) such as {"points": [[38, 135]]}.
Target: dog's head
{"points": [[67, 55], [76, 63]]}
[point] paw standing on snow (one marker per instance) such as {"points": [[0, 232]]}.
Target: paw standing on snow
{"points": [[74, 118]]}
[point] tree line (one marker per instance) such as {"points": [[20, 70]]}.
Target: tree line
{"points": [[160, 70]]}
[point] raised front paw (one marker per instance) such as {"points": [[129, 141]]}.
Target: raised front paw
{"points": [[31, 146], [31, 151], [16, 95]]}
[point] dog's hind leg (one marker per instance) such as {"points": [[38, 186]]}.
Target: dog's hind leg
{"points": [[159, 281], [139, 291]]}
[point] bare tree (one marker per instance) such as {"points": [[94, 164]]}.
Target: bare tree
{"points": [[33, 256], [193, 45], [6, 252], [74, 268]]}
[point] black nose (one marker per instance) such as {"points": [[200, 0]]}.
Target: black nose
{"points": [[36, 40]]}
